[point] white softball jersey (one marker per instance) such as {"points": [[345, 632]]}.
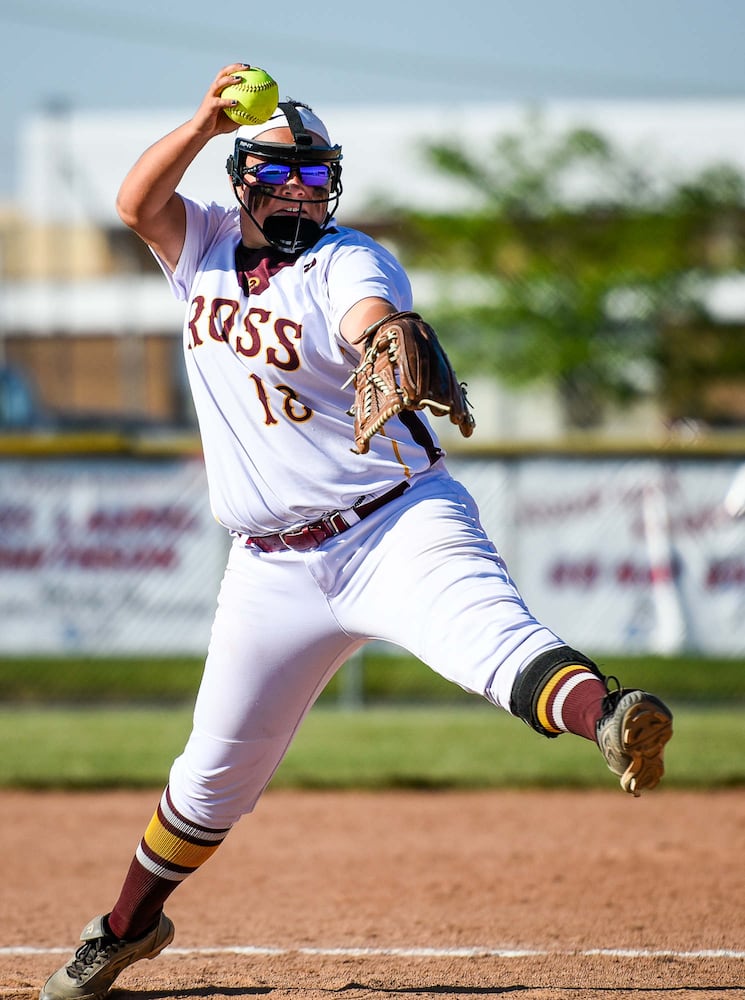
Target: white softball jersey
{"points": [[266, 371]]}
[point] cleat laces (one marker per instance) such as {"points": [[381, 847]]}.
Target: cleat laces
{"points": [[93, 954]]}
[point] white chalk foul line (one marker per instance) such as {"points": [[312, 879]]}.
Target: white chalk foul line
{"points": [[472, 952]]}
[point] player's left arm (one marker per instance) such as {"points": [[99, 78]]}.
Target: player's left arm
{"points": [[403, 367], [360, 317]]}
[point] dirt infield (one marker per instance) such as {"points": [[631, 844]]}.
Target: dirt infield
{"points": [[381, 895]]}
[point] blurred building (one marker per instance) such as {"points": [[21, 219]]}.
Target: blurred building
{"points": [[89, 330]]}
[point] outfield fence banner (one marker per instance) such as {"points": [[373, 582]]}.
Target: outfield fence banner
{"points": [[107, 557], [635, 555], [618, 555]]}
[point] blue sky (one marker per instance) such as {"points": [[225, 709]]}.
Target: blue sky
{"points": [[151, 54]]}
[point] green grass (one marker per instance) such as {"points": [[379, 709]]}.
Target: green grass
{"points": [[98, 723], [458, 747], [82, 680], [387, 678]]}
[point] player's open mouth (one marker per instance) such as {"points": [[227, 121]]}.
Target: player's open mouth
{"points": [[300, 210]]}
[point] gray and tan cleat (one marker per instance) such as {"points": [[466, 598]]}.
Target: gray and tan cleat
{"points": [[632, 735], [100, 959]]}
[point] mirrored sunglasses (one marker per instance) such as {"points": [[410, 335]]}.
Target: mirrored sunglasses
{"points": [[311, 174]]}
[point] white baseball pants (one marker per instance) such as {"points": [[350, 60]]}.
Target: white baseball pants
{"points": [[419, 572]]}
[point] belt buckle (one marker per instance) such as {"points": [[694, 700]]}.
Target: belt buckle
{"points": [[335, 523], [301, 534], [310, 536]]}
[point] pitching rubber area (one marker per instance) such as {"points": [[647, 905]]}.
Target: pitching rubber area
{"points": [[400, 894]]}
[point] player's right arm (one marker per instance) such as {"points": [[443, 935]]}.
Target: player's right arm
{"points": [[147, 201]]}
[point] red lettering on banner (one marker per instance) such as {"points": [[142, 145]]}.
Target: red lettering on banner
{"points": [[629, 573], [687, 523], [589, 572], [725, 573], [141, 519], [20, 558], [575, 573], [15, 518], [110, 557], [551, 510], [88, 557]]}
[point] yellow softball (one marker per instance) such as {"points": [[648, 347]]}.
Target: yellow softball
{"points": [[257, 95]]}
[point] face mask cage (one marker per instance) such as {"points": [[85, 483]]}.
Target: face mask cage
{"points": [[287, 233]]}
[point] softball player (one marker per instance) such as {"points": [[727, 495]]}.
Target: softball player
{"points": [[331, 547]]}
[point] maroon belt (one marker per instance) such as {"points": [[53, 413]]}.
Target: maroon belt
{"points": [[310, 536]]}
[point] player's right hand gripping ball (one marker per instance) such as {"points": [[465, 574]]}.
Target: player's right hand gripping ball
{"points": [[257, 95], [404, 367]]}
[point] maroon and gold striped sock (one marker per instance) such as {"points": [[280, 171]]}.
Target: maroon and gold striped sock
{"points": [[571, 701], [171, 849]]}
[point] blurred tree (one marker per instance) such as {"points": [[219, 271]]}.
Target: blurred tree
{"points": [[576, 264]]}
